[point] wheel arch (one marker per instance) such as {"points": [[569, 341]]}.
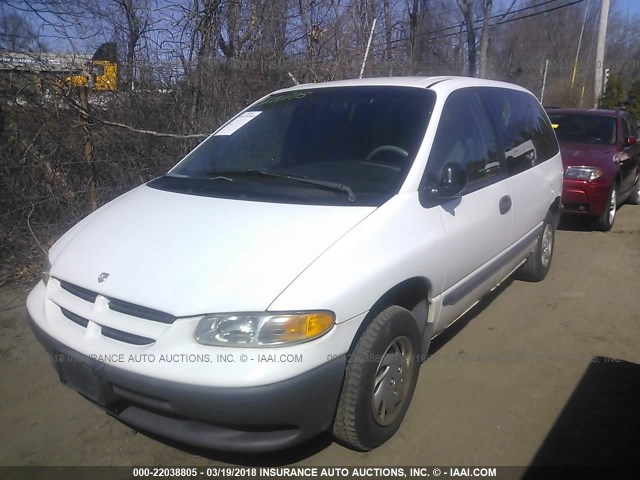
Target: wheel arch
{"points": [[413, 294], [617, 183]]}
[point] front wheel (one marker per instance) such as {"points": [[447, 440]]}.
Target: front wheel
{"points": [[380, 378], [539, 262], [605, 221]]}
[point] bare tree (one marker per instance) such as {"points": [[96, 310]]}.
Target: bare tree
{"points": [[487, 9], [241, 22], [466, 7], [388, 27], [136, 25]]}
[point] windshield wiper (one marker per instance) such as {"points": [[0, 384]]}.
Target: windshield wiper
{"points": [[340, 187]]}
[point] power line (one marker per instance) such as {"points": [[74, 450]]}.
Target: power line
{"points": [[497, 15], [523, 17]]}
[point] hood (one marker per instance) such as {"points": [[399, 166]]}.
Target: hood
{"points": [[188, 255], [578, 154]]}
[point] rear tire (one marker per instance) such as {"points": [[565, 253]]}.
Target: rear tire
{"points": [[604, 222], [379, 381], [537, 266]]}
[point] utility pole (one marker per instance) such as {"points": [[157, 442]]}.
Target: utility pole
{"points": [[575, 63], [544, 81], [366, 53], [602, 39], [83, 91]]}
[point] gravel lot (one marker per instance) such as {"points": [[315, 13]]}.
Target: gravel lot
{"points": [[544, 373]]}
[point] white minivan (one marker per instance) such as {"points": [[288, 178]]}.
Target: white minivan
{"points": [[287, 276]]}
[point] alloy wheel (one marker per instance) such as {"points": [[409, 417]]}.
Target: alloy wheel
{"points": [[613, 205]]}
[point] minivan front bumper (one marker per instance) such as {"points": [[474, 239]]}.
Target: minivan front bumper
{"points": [[241, 419]]}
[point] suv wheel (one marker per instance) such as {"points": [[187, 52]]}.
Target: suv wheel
{"points": [[379, 381], [537, 265], [605, 221]]}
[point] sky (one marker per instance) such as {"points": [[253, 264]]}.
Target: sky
{"points": [[632, 5]]}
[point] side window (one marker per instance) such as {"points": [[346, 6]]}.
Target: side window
{"points": [[464, 136], [523, 126], [627, 129]]}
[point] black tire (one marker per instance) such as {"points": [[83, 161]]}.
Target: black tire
{"points": [[360, 424], [604, 222], [537, 266], [634, 197]]}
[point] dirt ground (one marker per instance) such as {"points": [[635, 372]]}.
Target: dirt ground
{"points": [[544, 373]]}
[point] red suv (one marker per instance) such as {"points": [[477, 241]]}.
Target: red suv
{"points": [[600, 154]]}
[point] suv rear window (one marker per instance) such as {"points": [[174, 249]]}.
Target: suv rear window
{"points": [[585, 128]]}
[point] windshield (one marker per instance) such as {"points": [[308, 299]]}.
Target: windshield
{"points": [[580, 128], [350, 145]]}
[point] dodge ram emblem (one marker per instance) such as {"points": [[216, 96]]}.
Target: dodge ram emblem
{"points": [[102, 277]]}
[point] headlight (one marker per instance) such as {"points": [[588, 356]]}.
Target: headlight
{"points": [[46, 269], [583, 173], [262, 329]]}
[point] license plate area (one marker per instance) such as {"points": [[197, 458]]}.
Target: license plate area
{"points": [[84, 379]]}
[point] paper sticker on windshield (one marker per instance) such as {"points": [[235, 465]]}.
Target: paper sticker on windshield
{"points": [[237, 123]]}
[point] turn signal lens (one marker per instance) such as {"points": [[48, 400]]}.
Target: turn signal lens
{"points": [[294, 328]]}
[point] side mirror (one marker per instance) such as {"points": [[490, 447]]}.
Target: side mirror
{"points": [[631, 141], [452, 182]]}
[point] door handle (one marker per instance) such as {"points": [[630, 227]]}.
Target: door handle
{"points": [[505, 204]]}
